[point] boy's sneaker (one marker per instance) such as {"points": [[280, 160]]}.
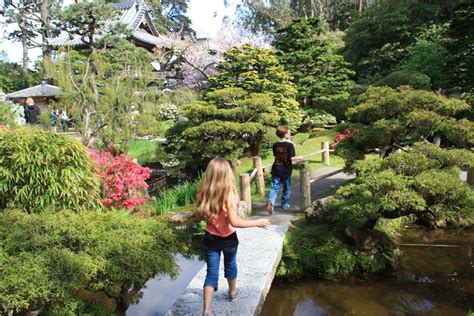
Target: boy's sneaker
{"points": [[270, 208], [286, 207], [233, 296]]}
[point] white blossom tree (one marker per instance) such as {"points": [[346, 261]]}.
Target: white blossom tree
{"points": [[197, 59]]}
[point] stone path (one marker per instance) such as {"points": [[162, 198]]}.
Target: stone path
{"points": [[259, 253], [319, 189]]}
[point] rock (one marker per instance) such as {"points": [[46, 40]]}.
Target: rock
{"points": [[181, 217], [362, 239], [313, 213]]}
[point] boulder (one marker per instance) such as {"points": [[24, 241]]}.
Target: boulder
{"points": [[313, 213]]}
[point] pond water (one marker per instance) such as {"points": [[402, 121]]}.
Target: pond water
{"points": [[160, 293], [427, 281]]}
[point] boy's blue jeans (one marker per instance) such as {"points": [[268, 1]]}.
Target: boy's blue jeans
{"points": [[213, 257], [285, 195]]}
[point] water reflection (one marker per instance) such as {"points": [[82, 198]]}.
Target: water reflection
{"points": [[309, 308], [428, 281], [160, 293]]}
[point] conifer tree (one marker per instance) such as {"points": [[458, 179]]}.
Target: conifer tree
{"points": [[231, 121], [319, 73], [257, 70]]}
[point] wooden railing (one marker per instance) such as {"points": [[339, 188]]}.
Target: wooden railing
{"points": [[258, 176]]}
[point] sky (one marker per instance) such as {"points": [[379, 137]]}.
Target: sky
{"points": [[206, 17]]}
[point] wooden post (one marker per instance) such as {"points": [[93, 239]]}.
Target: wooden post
{"points": [[245, 194], [305, 186], [259, 179], [437, 141], [325, 154], [470, 175]]}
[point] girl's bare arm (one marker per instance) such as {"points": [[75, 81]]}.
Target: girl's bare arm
{"points": [[236, 221]]}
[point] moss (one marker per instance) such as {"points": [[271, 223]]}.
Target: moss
{"points": [[391, 226]]}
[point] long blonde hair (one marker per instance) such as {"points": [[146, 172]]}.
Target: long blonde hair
{"points": [[217, 188]]}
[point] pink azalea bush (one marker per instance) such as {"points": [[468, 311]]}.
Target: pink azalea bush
{"points": [[347, 133], [123, 180]]}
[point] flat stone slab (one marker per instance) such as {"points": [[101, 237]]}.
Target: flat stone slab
{"points": [[258, 256]]}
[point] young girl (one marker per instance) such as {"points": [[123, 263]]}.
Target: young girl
{"points": [[217, 202]]}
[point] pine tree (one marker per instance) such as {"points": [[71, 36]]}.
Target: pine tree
{"points": [[257, 70], [230, 122]]}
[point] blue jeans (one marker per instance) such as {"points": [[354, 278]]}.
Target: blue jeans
{"points": [[213, 257], [275, 188]]}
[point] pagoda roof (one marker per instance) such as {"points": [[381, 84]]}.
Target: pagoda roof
{"points": [[135, 15]]}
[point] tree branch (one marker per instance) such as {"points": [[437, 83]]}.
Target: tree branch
{"points": [[197, 69]]}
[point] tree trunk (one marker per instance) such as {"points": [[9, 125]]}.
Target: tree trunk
{"points": [[121, 308], [122, 302], [386, 151], [24, 44], [45, 29], [86, 137], [94, 73], [361, 5], [257, 145]]}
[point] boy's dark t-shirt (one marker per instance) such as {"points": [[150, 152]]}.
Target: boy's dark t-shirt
{"points": [[283, 152]]}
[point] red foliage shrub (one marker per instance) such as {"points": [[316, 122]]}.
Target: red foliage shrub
{"points": [[122, 180], [347, 133]]}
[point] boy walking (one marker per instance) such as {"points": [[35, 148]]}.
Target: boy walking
{"points": [[284, 153]]}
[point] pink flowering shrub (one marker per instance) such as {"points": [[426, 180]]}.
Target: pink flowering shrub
{"points": [[347, 133], [122, 180]]}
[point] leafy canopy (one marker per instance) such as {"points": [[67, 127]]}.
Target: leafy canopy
{"points": [[257, 70], [424, 181], [388, 119], [376, 42], [319, 73], [231, 121], [105, 100]]}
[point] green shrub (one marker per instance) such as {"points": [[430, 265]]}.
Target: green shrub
{"points": [[321, 250], [144, 150], [317, 118], [42, 170], [10, 113], [415, 79], [269, 139], [49, 260], [317, 132], [148, 125]]}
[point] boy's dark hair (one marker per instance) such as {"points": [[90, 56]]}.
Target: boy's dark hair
{"points": [[281, 131]]}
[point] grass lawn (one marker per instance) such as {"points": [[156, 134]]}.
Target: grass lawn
{"points": [[143, 150]]}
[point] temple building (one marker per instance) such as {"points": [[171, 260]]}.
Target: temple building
{"points": [[41, 94], [135, 15]]}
